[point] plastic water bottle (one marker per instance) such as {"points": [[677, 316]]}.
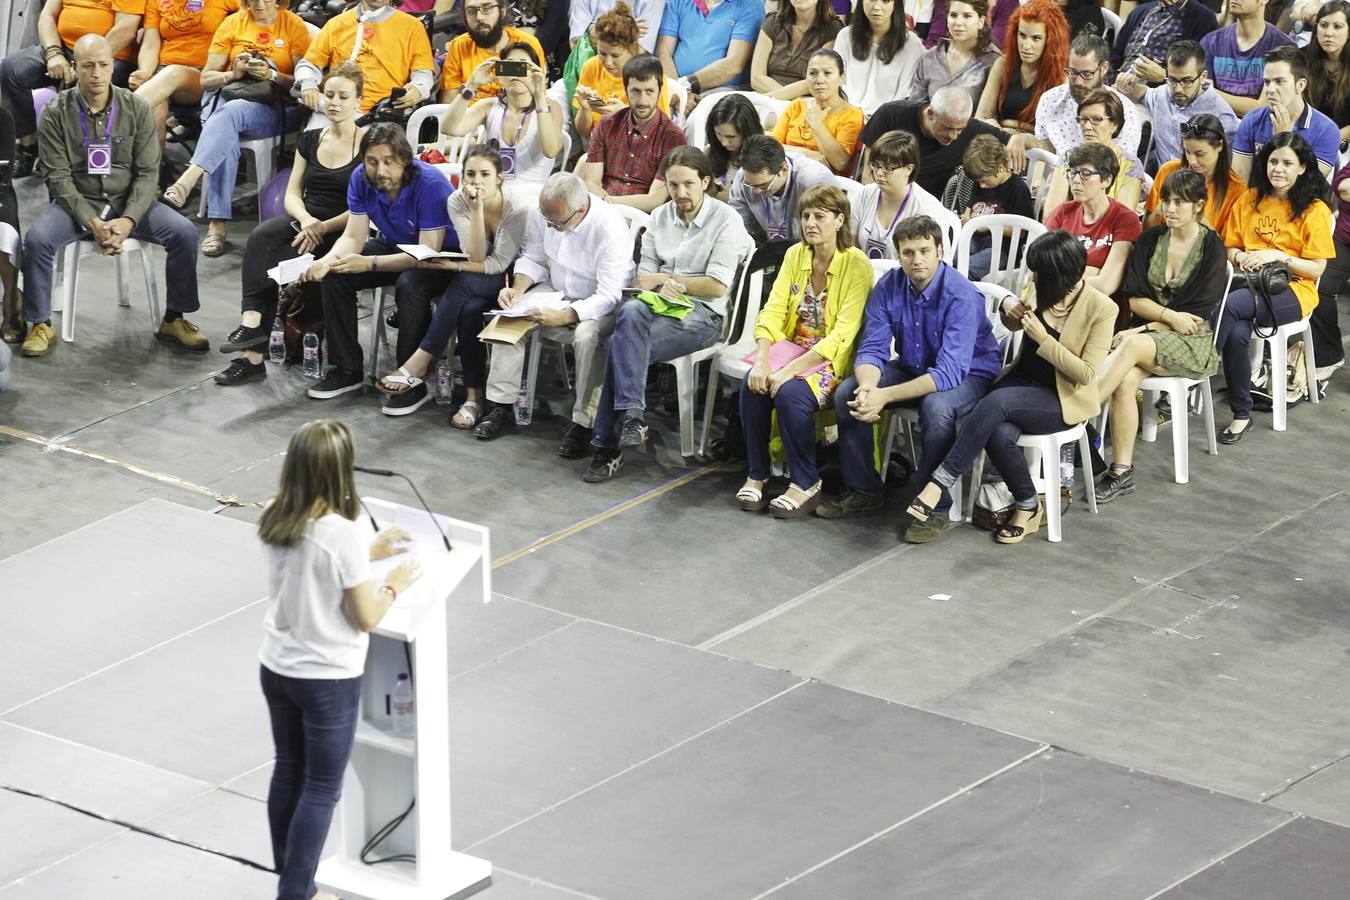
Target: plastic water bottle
{"points": [[401, 705], [324, 367], [524, 409], [445, 382], [311, 347], [276, 344], [1066, 464]]}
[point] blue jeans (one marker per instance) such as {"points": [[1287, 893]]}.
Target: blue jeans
{"points": [[641, 338], [461, 309], [796, 406], [1010, 410], [313, 729], [1235, 334], [224, 125], [55, 228], [4, 366], [938, 413]]}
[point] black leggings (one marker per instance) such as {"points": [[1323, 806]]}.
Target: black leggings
{"points": [[269, 244]]}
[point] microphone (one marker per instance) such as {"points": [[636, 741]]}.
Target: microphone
{"points": [[389, 473]]}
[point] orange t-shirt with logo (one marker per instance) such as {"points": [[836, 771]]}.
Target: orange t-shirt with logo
{"points": [[463, 56], [390, 51], [793, 130], [186, 28], [595, 76], [1270, 226], [283, 39], [81, 17]]}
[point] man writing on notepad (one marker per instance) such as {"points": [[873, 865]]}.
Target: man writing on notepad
{"points": [[394, 199], [577, 244]]}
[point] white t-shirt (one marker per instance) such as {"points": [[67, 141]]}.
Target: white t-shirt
{"points": [[870, 82], [305, 633], [874, 237]]}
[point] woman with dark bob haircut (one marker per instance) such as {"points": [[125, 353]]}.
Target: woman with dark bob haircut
{"points": [[1285, 216], [732, 120], [1066, 325]]}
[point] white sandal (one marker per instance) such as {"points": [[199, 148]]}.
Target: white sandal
{"points": [[477, 412], [785, 507], [751, 498], [405, 380]]}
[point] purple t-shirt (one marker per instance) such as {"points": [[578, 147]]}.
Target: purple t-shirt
{"points": [[1237, 71], [1343, 220]]}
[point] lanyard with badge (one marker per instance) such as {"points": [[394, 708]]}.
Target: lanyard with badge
{"points": [[876, 247], [508, 151], [776, 231], [98, 154]]}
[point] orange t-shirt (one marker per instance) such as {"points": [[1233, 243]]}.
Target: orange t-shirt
{"points": [[463, 56], [81, 17], [1216, 217], [595, 76], [185, 35], [390, 51], [792, 129], [1270, 226], [283, 39]]}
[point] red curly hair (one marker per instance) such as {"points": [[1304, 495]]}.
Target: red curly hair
{"points": [[1050, 72]]}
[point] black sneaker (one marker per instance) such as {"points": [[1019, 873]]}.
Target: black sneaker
{"points": [[854, 503], [335, 384], [410, 401], [240, 371], [243, 338], [576, 443], [604, 465], [1115, 483], [634, 433], [499, 420]]}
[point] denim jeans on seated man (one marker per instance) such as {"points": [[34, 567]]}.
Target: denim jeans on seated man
{"points": [[938, 415], [640, 338]]}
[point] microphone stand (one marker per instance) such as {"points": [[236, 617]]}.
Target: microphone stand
{"points": [[387, 473]]}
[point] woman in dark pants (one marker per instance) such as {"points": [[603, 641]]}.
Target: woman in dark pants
{"points": [[491, 229], [1284, 216], [11, 326], [1326, 326], [316, 213], [1066, 325], [321, 604]]}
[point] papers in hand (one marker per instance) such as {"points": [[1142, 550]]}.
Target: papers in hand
{"points": [[287, 271], [532, 302], [422, 251]]}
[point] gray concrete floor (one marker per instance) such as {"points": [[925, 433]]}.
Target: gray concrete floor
{"points": [[1182, 650]]}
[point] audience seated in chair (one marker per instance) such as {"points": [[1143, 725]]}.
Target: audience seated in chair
{"points": [[1033, 61], [1187, 93], [880, 53], [1066, 329], [1205, 149], [175, 45], [943, 127], [1325, 324], [708, 46], [577, 244], [623, 161], [1174, 281], [1236, 52], [394, 52], [732, 120], [1285, 216], [227, 120], [582, 14], [1284, 82], [787, 40], [51, 61], [816, 303], [316, 214], [892, 197], [107, 208], [1106, 227], [1100, 116], [1150, 31], [946, 359], [823, 126], [406, 200], [767, 189], [996, 193], [488, 36], [1328, 56], [962, 60], [522, 120], [691, 251], [600, 89], [491, 229]]}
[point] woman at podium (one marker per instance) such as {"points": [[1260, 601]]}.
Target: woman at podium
{"points": [[321, 606]]}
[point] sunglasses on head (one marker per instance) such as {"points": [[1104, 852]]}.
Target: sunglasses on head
{"points": [[1194, 131]]}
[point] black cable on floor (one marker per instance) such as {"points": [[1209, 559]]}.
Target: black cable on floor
{"points": [[242, 860]]}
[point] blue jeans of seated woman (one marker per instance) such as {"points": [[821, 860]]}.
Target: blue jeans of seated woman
{"points": [[313, 729], [1234, 332], [224, 125], [1011, 409], [461, 310], [796, 406]]}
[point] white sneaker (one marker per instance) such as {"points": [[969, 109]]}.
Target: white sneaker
{"points": [[1324, 372]]}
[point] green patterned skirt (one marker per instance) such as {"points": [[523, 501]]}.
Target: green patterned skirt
{"points": [[1187, 355]]}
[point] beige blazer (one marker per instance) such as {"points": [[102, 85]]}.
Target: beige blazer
{"points": [[1080, 351]]}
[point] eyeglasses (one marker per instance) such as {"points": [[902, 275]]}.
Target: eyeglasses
{"points": [[879, 168], [1195, 131], [763, 187], [1090, 120], [1184, 82], [1081, 174], [1082, 74], [480, 12], [559, 226]]}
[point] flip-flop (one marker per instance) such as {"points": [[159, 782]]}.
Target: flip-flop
{"points": [[473, 408], [398, 383], [214, 245]]}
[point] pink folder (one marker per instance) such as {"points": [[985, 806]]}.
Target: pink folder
{"points": [[782, 353]]}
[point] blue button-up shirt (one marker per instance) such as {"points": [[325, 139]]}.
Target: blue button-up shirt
{"points": [[942, 330]]}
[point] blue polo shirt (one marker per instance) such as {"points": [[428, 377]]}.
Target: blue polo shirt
{"points": [[419, 206], [705, 39], [1314, 127], [941, 331]]}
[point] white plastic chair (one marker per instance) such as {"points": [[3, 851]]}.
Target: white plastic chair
{"points": [[679, 97], [418, 118], [1003, 272], [1040, 170], [1279, 361], [727, 359], [1112, 22], [1043, 454], [71, 255], [264, 153]]}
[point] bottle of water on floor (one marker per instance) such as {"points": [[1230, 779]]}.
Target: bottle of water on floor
{"points": [[524, 409], [401, 704], [311, 347], [445, 382], [276, 344]]}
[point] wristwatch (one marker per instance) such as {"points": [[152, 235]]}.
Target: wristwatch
{"points": [[467, 93]]}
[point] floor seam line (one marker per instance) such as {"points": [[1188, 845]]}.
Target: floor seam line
{"points": [[1214, 862], [549, 884]]}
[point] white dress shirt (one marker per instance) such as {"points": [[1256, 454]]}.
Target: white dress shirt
{"points": [[591, 264]]}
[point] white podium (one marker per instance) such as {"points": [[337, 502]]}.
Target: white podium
{"points": [[387, 772]]}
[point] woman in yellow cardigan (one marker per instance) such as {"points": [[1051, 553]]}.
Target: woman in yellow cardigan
{"points": [[804, 337], [1066, 329]]}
